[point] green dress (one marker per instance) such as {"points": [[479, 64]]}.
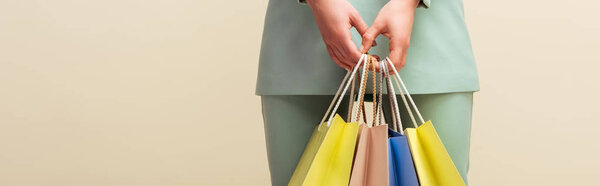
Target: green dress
{"points": [[294, 59]]}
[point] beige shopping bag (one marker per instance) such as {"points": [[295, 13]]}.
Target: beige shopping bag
{"points": [[370, 167]]}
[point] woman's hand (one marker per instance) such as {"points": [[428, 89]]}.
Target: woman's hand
{"points": [[394, 21], [334, 19]]}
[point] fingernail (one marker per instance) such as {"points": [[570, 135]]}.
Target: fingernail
{"points": [[361, 49]]}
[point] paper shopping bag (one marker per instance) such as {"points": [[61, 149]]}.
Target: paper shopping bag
{"points": [[333, 161], [401, 166], [327, 158], [433, 163], [370, 164], [310, 151]]}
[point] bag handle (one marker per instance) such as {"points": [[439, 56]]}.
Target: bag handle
{"points": [[380, 98], [337, 94], [362, 88], [370, 63], [375, 102], [394, 102], [403, 89], [390, 99], [352, 99]]}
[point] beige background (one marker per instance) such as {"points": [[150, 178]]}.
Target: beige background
{"points": [[129, 92]]}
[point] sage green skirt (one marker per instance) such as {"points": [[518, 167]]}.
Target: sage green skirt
{"points": [[290, 119]]}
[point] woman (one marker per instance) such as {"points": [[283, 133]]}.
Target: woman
{"points": [[306, 49]]}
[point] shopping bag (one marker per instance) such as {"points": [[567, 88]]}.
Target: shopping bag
{"points": [[370, 162], [432, 162], [310, 151], [333, 161], [401, 166], [327, 158]]}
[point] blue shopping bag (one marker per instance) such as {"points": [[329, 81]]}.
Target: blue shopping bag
{"points": [[401, 166]]}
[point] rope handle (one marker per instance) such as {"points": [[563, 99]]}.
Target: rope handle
{"points": [[409, 110], [352, 99], [393, 93], [394, 102], [403, 90], [360, 108], [390, 97], [375, 103], [361, 93], [380, 100], [337, 95]]}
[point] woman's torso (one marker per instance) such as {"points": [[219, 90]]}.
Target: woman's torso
{"points": [[294, 60]]}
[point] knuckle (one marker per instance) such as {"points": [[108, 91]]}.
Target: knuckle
{"points": [[368, 36], [354, 13], [328, 43], [402, 42], [400, 63], [331, 54]]}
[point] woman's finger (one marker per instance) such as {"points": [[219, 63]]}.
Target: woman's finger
{"points": [[369, 37], [335, 58], [398, 48], [398, 58], [357, 22], [345, 49], [351, 52], [386, 34], [344, 55], [376, 63]]}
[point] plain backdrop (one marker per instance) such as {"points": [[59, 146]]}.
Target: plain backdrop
{"points": [[131, 92]]}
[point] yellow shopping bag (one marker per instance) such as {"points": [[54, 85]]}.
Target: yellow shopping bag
{"points": [[432, 162], [310, 151], [327, 158], [333, 161]]}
